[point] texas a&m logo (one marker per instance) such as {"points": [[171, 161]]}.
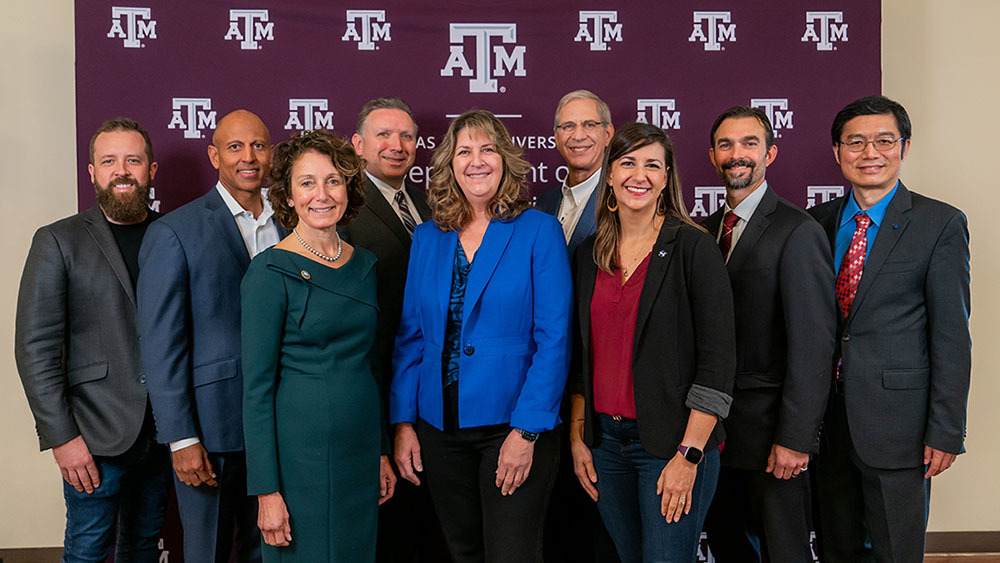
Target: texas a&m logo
{"points": [[825, 28], [707, 200], [366, 27], [491, 60], [138, 24], [192, 115], [255, 28], [659, 112], [777, 112], [712, 28], [599, 27], [309, 114], [816, 195]]}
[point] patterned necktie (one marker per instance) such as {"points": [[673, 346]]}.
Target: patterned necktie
{"points": [[853, 264], [726, 240], [404, 211]]}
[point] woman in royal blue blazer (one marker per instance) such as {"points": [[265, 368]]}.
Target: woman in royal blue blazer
{"points": [[482, 351]]}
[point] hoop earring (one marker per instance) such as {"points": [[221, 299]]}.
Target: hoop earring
{"points": [[661, 202], [611, 197]]}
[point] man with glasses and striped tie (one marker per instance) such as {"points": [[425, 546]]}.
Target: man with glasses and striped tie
{"points": [[386, 138], [897, 413]]}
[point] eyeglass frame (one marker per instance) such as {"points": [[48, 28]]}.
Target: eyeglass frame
{"points": [[872, 143], [562, 127]]}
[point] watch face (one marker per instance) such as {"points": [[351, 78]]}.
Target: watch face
{"points": [[693, 455]]}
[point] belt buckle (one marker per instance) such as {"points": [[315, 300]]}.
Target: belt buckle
{"points": [[617, 417]]}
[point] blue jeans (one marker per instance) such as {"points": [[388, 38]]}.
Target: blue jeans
{"points": [[629, 505], [132, 494]]}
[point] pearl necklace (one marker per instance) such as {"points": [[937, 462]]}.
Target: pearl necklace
{"points": [[340, 247]]}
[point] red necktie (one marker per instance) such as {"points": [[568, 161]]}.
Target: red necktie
{"points": [[726, 240], [853, 264]]}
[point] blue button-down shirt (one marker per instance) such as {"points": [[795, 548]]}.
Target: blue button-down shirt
{"points": [[845, 232]]}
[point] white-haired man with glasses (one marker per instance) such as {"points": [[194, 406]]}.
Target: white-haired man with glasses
{"points": [[900, 372], [583, 130]]}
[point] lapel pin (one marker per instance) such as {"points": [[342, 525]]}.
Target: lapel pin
{"points": [[663, 253], [895, 226], [305, 274]]}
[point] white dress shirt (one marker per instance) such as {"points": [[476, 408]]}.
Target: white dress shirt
{"points": [[574, 201], [389, 193], [744, 211], [258, 234]]}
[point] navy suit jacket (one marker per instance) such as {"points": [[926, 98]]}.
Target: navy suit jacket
{"points": [[781, 272], [515, 326], [549, 202], [191, 264], [905, 345]]}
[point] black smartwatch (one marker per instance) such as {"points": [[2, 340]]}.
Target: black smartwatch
{"points": [[691, 454], [529, 436]]}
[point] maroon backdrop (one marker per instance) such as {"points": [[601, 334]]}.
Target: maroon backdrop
{"points": [[177, 66]]}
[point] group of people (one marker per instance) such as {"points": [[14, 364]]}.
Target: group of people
{"points": [[406, 373]]}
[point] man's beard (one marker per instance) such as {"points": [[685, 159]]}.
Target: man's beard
{"points": [[124, 207], [742, 182]]}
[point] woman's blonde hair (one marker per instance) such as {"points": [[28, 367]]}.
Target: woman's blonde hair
{"points": [[449, 207], [630, 137]]}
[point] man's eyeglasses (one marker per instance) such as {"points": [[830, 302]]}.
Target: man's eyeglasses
{"points": [[881, 144], [588, 126]]}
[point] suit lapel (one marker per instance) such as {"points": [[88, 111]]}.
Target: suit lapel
{"points": [[893, 224], [659, 263], [224, 223], [585, 294], [97, 227], [490, 251], [752, 232], [585, 225], [378, 205], [419, 200], [445, 270]]}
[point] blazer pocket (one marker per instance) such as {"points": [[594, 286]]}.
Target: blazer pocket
{"points": [[749, 380], [906, 378], [897, 267], [215, 371], [85, 374]]}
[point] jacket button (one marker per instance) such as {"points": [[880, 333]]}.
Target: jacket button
{"points": [[846, 338], [142, 379], [469, 350]]}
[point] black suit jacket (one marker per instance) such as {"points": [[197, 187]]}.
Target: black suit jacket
{"points": [[781, 271], [550, 201], [905, 346], [684, 335], [378, 229], [75, 340]]}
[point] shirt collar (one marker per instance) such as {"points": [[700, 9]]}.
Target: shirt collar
{"points": [[744, 210], [581, 191], [876, 212], [236, 209], [388, 191]]}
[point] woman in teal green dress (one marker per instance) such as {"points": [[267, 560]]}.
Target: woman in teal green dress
{"points": [[311, 408]]}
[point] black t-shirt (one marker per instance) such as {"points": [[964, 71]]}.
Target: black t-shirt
{"points": [[129, 239]]}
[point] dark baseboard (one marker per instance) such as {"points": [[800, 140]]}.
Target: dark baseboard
{"points": [[963, 542], [31, 555]]}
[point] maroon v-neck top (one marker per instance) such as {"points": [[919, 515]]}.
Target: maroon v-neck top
{"points": [[613, 310]]}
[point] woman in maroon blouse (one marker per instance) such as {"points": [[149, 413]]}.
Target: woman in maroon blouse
{"points": [[655, 355]]}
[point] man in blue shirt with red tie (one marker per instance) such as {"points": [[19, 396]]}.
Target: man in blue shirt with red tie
{"points": [[901, 369]]}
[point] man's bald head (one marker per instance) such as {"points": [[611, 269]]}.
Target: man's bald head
{"points": [[241, 151]]}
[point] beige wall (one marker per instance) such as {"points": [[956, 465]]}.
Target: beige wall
{"points": [[939, 59], [930, 54]]}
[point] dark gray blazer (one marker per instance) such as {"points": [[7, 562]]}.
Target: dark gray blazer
{"points": [[906, 347], [378, 229], [781, 271], [75, 339]]}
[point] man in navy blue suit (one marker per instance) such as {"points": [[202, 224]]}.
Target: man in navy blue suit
{"points": [[191, 266], [583, 130]]}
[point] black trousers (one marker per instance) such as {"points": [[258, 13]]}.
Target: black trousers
{"points": [[755, 517], [480, 525], [865, 513]]}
